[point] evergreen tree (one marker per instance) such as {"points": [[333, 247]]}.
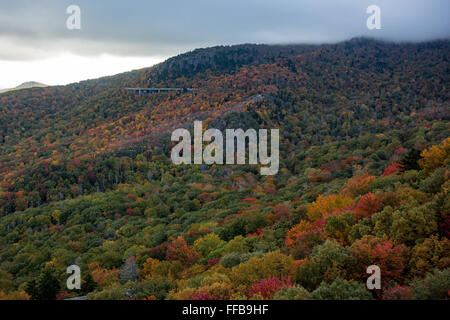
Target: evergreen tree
{"points": [[47, 285], [411, 160]]}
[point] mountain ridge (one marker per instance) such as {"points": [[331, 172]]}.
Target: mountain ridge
{"points": [[86, 176], [198, 55], [25, 85]]}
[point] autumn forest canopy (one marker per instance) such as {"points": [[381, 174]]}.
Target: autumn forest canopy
{"points": [[86, 178]]}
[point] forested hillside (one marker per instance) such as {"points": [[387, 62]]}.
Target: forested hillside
{"points": [[86, 178]]}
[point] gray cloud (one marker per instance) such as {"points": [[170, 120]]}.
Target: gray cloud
{"points": [[36, 29]]}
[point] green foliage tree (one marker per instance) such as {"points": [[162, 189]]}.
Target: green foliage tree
{"points": [[327, 262], [341, 289], [45, 288], [291, 293], [433, 287]]}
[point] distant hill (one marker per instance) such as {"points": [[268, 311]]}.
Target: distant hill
{"points": [[26, 85]]}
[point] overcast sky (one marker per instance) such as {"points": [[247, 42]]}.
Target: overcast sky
{"points": [[116, 36]]}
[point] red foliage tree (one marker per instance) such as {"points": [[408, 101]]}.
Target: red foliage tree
{"points": [[367, 206], [212, 263], [389, 258], [268, 287], [398, 293], [202, 295], [444, 228], [394, 167], [179, 250]]}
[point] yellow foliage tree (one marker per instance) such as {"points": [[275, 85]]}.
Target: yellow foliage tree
{"points": [[435, 156], [272, 264], [14, 295], [327, 204], [148, 268], [358, 185]]}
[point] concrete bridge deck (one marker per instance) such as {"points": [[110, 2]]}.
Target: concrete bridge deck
{"points": [[142, 91]]}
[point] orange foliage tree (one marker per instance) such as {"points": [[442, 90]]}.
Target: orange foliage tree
{"points": [[369, 250], [435, 156], [358, 185], [394, 167], [366, 206], [326, 204], [179, 250], [302, 237]]}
